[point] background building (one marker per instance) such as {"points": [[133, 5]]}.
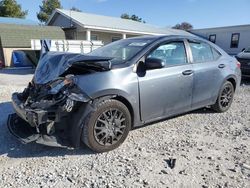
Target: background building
{"points": [[85, 26], [232, 38], [16, 35]]}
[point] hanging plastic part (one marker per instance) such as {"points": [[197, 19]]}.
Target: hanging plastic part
{"points": [[69, 105]]}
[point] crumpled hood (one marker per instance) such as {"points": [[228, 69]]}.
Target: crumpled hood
{"points": [[54, 64]]}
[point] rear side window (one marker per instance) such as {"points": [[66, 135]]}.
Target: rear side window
{"points": [[203, 52], [172, 54]]}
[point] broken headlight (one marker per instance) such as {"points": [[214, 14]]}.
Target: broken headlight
{"points": [[58, 84]]}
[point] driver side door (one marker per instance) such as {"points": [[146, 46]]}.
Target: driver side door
{"points": [[166, 91]]}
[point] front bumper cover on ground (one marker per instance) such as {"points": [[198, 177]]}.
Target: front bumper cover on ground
{"points": [[27, 134], [25, 122]]}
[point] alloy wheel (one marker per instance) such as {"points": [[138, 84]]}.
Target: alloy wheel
{"points": [[226, 96], [109, 127]]}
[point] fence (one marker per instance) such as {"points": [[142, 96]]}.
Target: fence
{"points": [[74, 46]]}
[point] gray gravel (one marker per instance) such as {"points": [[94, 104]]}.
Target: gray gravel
{"points": [[211, 150]]}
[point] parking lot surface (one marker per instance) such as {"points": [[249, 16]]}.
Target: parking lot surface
{"points": [[210, 150]]}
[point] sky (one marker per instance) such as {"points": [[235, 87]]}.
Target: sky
{"points": [[161, 13]]}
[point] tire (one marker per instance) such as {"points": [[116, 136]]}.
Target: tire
{"points": [[102, 131], [225, 98]]}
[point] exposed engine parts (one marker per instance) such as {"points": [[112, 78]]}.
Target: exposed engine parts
{"points": [[46, 104]]}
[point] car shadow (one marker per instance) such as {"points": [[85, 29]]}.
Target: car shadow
{"points": [[12, 148], [205, 110]]}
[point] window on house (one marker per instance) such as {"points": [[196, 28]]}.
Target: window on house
{"points": [[212, 38], [235, 40], [116, 39], [94, 37]]}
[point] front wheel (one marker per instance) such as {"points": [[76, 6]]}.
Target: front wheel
{"points": [[107, 126], [225, 98]]}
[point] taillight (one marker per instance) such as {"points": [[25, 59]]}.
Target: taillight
{"points": [[238, 64]]}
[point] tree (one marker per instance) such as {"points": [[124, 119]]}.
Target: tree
{"points": [[132, 17], [183, 26], [75, 9], [47, 8], [10, 8]]}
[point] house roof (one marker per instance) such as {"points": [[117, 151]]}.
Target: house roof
{"points": [[19, 21], [99, 22], [19, 36], [234, 27]]}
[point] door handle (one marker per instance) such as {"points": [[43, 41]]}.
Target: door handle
{"points": [[187, 72], [221, 66]]}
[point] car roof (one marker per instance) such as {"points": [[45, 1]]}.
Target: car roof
{"points": [[156, 37]]}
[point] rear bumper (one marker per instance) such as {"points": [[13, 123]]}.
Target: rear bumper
{"points": [[245, 66], [245, 71]]}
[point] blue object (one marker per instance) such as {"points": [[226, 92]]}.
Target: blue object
{"points": [[20, 59]]}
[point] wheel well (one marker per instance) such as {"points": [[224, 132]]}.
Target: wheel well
{"points": [[233, 82], [128, 105]]}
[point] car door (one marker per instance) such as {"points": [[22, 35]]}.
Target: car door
{"points": [[208, 75], [166, 91]]}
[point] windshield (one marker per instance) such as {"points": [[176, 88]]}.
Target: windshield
{"points": [[247, 50], [122, 50]]}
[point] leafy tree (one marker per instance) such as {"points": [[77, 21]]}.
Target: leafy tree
{"points": [[75, 9], [183, 26], [10, 8], [47, 8], [132, 17]]}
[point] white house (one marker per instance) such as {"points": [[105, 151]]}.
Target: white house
{"points": [[232, 38], [85, 26]]}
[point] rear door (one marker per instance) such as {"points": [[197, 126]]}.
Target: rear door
{"points": [[208, 75], [166, 91]]}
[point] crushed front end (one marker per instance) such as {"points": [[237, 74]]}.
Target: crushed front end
{"points": [[42, 111]]}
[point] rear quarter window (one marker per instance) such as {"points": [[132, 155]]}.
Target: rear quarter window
{"points": [[203, 52]]}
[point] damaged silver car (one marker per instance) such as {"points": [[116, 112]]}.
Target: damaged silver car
{"points": [[96, 99]]}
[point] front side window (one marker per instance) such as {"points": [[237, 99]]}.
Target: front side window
{"points": [[235, 40], [201, 52], [212, 38], [171, 53]]}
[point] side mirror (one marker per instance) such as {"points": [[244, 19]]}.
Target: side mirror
{"points": [[243, 50], [154, 63]]}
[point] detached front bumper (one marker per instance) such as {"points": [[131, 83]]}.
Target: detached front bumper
{"points": [[33, 117], [21, 129], [25, 124]]}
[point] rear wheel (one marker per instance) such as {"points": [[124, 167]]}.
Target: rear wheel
{"points": [[107, 126], [225, 98]]}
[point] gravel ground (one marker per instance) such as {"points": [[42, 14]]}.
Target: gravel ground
{"points": [[211, 150]]}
